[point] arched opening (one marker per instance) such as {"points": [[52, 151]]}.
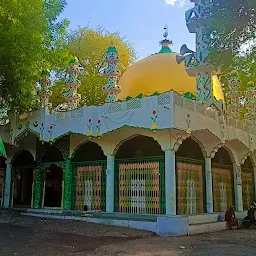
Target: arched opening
{"points": [[138, 147], [89, 151], [190, 178], [22, 179], [52, 154], [222, 179], [140, 177], [53, 187], [52, 178], [89, 188], [2, 179], [248, 183]]}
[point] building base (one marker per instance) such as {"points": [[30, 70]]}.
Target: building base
{"points": [[163, 225]]}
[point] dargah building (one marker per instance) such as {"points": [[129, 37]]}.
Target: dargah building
{"points": [[164, 153]]}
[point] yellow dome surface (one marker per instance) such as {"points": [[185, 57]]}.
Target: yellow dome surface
{"points": [[160, 73]]}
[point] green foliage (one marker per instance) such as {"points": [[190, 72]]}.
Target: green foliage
{"points": [[31, 40], [90, 46], [234, 28]]}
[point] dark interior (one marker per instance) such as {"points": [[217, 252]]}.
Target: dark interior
{"points": [[89, 151], [53, 187], [23, 166], [222, 157], [139, 146], [190, 149]]}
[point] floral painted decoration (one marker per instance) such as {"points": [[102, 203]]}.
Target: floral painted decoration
{"points": [[50, 133], [41, 138], [98, 128], [89, 126], [154, 120]]}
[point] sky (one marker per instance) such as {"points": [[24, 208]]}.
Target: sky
{"points": [[141, 22]]}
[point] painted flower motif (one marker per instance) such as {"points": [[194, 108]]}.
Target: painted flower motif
{"points": [[42, 124], [154, 112], [90, 120], [50, 126], [98, 121]]}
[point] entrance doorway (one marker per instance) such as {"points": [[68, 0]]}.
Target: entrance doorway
{"points": [[23, 183], [53, 187], [22, 179]]}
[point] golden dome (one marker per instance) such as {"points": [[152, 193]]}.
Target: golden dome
{"points": [[160, 73]]}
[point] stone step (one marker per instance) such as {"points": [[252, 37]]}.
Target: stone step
{"points": [[135, 224], [206, 228], [203, 218], [95, 214]]}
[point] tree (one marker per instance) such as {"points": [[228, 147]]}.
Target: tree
{"points": [[234, 24], [90, 46], [32, 39]]}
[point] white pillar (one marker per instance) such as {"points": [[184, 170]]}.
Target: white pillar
{"points": [[110, 183], [7, 190], [208, 182], [238, 188], [170, 182]]}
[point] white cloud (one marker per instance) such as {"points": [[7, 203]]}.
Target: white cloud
{"points": [[175, 2]]}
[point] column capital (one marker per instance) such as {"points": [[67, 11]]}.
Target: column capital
{"points": [[211, 154]]}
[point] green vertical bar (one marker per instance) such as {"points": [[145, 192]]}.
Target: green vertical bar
{"points": [[38, 188], [162, 186], [116, 191], [103, 186], [73, 196], [68, 185]]}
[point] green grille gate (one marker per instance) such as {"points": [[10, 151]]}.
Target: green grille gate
{"points": [[140, 185], [89, 186], [190, 186]]}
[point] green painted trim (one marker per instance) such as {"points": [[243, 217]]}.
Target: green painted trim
{"points": [[111, 49], [189, 160], [86, 163], [124, 126], [129, 160], [165, 50], [229, 167], [2, 149]]}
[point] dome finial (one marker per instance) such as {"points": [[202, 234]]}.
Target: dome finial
{"points": [[165, 32], [166, 43]]}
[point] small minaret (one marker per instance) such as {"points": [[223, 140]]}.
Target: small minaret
{"points": [[112, 73], [198, 20], [250, 103], [234, 106], [45, 92], [72, 97]]}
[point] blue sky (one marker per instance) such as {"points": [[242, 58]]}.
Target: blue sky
{"points": [[140, 21]]}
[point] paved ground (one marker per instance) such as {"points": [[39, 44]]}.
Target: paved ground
{"points": [[23, 236]]}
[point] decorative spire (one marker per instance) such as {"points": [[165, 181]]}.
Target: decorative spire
{"points": [[250, 103], [72, 97], [112, 73], [166, 43], [234, 106], [45, 92], [198, 20]]}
